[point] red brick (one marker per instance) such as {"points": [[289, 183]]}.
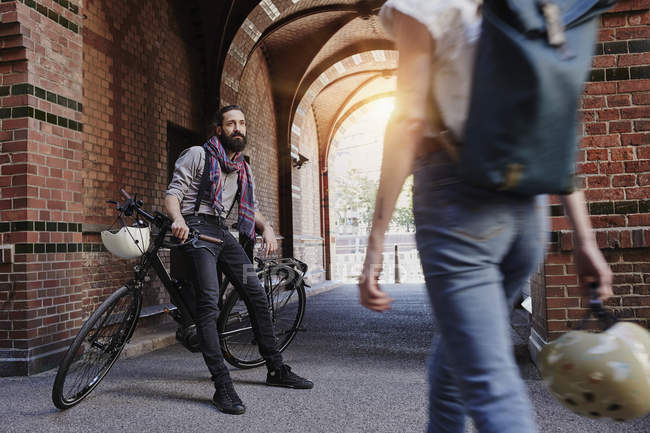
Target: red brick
{"points": [[637, 166], [642, 125], [636, 301], [644, 179], [556, 314], [633, 32], [601, 141], [593, 102], [557, 258], [587, 116], [639, 220], [562, 303], [596, 128], [604, 61], [597, 155], [620, 126], [604, 194], [622, 154], [587, 168], [554, 270], [598, 181], [561, 280], [635, 112], [555, 292], [611, 167], [601, 88], [618, 100], [614, 20], [641, 98], [643, 152], [611, 114], [634, 59], [560, 223], [558, 325], [601, 221], [605, 35], [635, 139], [623, 180], [633, 86], [641, 193]]}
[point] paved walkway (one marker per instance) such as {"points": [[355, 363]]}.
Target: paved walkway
{"points": [[368, 369]]}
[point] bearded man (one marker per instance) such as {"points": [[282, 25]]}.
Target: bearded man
{"points": [[208, 180]]}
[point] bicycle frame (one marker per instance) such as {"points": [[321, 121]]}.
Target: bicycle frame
{"points": [[150, 259], [183, 313]]}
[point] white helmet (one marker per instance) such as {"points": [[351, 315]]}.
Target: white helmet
{"points": [[128, 242], [603, 374]]}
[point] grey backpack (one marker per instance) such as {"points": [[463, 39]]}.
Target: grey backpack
{"points": [[533, 57]]}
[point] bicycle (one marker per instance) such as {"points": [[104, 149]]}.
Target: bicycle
{"points": [[109, 328]]}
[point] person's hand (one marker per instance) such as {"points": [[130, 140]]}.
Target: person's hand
{"points": [[269, 244], [591, 268], [371, 296], [180, 229]]}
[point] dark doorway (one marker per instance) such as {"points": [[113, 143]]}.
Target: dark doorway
{"points": [[178, 139]]}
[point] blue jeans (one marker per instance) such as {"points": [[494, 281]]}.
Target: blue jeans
{"points": [[478, 249]]}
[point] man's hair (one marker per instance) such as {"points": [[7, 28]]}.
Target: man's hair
{"points": [[219, 117]]}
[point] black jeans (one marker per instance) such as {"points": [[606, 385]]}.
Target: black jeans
{"points": [[237, 267]]}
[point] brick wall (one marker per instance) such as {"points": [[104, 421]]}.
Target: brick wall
{"points": [[40, 181], [130, 68], [614, 163], [142, 71], [257, 102], [308, 240]]}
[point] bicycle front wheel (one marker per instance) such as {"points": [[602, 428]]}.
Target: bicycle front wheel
{"points": [[96, 347], [238, 342]]}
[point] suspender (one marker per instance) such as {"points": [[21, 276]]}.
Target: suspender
{"points": [[205, 184]]}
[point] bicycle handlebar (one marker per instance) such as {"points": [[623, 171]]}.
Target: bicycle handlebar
{"points": [[132, 204], [210, 239]]}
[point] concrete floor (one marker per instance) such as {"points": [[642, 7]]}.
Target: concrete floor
{"points": [[368, 369]]}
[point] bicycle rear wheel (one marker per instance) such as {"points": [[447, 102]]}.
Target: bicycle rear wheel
{"points": [[96, 347], [238, 342]]}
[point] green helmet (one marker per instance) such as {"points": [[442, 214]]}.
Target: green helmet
{"points": [[603, 374]]}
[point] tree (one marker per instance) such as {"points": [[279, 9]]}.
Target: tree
{"points": [[354, 202], [354, 199], [403, 215]]}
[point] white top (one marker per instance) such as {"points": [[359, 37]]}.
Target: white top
{"points": [[455, 26]]}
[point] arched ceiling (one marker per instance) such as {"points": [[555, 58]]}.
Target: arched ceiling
{"points": [[303, 41], [356, 78], [376, 86]]}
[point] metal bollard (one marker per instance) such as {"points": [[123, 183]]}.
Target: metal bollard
{"points": [[397, 276]]}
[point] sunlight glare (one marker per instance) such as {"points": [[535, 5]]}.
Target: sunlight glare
{"points": [[384, 107]]}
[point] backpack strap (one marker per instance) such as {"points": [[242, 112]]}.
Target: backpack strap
{"points": [[205, 182], [235, 200]]}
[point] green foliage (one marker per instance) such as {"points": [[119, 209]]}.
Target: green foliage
{"points": [[403, 216], [353, 202]]}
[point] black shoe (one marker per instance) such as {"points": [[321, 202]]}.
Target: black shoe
{"points": [[226, 399], [284, 377]]}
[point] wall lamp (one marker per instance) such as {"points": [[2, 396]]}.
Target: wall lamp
{"points": [[298, 160]]}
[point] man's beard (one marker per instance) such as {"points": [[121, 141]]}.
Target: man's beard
{"points": [[234, 142]]}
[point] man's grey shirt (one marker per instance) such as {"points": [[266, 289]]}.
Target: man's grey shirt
{"points": [[187, 179]]}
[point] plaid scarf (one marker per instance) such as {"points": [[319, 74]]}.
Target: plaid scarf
{"points": [[219, 161]]}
